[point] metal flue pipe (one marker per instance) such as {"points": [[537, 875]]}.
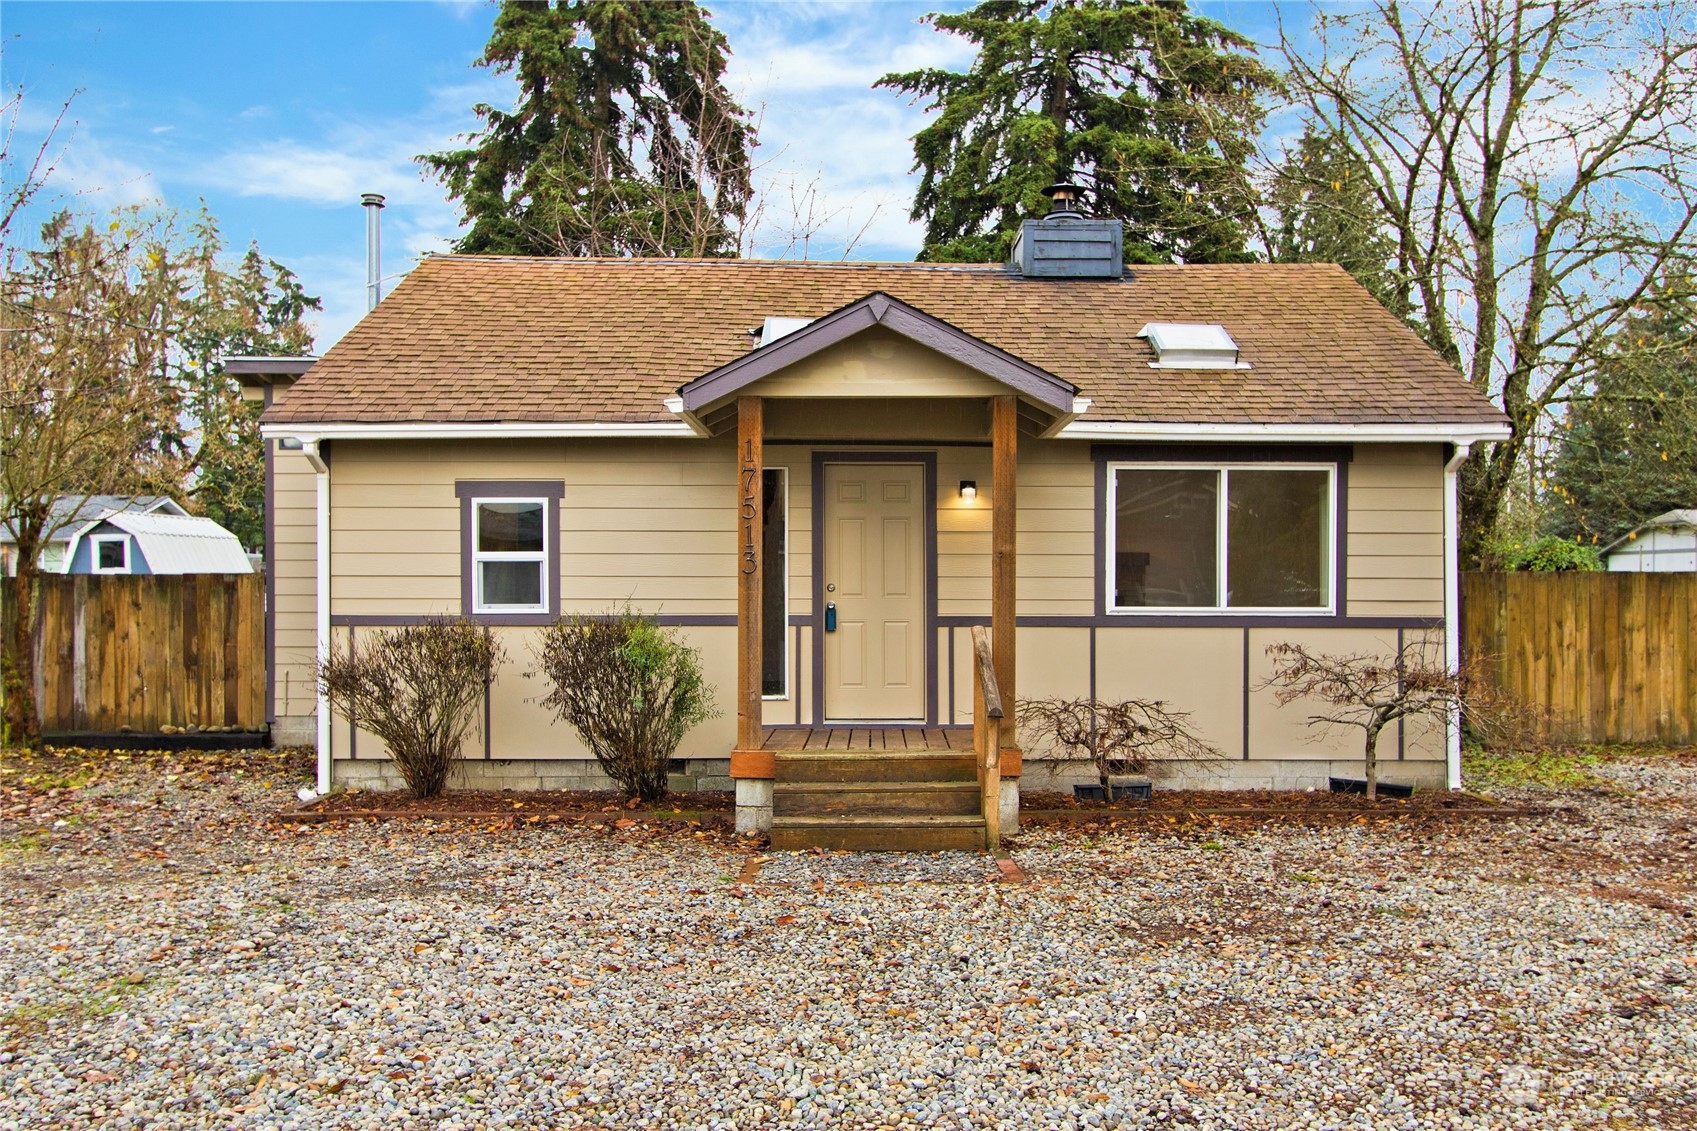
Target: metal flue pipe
{"points": [[373, 202]]}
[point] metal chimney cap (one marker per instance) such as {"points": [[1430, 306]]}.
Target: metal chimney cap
{"points": [[372, 199], [1064, 196]]}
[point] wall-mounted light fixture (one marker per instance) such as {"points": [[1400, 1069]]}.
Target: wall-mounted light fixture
{"points": [[968, 489], [290, 443]]}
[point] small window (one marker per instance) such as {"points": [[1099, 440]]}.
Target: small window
{"points": [[1255, 538], [510, 555], [111, 553], [775, 586]]}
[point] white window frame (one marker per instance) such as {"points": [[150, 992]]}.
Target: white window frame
{"points": [[789, 674], [1222, 470], [478, 557], [95, 541]]}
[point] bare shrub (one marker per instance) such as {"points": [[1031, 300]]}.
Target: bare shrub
{"points": [[630, 689], [1496, 719], [1128, 737], [417, 688]]}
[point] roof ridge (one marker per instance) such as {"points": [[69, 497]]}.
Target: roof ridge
{"points": [[657, 261]]}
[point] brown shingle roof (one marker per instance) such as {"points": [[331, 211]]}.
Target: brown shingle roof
{"points": [[482, 339]]}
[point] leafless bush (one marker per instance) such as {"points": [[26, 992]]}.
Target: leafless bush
{"points": [[1494, 717], [630, 689], [417, 688], [1128, 737]]}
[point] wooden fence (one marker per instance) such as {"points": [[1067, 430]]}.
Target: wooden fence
{"points": [[144, 652], [1612, 656]]}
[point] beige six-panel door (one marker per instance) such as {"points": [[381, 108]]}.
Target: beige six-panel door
{"points": [[875, 573]]}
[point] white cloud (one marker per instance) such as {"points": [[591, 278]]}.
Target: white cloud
{"points": [[96, 178], [827, 137]]}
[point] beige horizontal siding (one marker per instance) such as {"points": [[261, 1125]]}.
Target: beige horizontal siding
{"points": [[645, 523], [1396, 543], [294, 562], [521, 727]]}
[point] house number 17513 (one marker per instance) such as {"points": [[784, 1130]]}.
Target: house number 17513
{"points": [[750, 508]]}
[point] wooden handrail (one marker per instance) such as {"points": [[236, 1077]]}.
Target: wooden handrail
{"points": [[986, 671], [987, 714]]}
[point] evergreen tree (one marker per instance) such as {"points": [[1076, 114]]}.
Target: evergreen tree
{"points": [[1153, 110], [1325, 211], [1629, 448], [257, 309], [624, 140]]}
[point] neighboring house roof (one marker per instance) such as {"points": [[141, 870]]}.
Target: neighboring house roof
{"points": [[494, 339], [71, 512], [174, 543], [1686, 516]]}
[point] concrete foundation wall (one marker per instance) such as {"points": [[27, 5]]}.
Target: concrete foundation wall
{"points": [[693, 775]]}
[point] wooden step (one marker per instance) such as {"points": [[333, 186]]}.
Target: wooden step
{"points": [[880, 834], [875, 799], [872, 766]]}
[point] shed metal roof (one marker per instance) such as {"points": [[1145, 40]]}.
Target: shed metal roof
{"points": [[175, 543]]}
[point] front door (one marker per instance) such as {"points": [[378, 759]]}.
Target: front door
{"points": [[875, 574]]}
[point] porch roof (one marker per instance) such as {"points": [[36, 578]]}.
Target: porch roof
{"points": [[470, 339]]}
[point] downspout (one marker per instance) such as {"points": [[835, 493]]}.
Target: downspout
{"points": [[1452, 605], [321, 591]]}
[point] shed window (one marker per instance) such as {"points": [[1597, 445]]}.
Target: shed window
{"points": [[510, 555], [111, 553], [1239, 537]]}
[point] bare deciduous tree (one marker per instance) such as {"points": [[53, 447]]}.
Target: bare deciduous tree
{"points": [[1536, 163], [1366, 690], [1127, 737], [84, 334]]}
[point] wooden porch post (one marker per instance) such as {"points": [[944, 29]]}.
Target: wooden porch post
{"points": [[750, 569], [1004, 439]]}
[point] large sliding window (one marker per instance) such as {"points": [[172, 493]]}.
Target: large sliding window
{"points": [[1242, 537], [775, 584]]}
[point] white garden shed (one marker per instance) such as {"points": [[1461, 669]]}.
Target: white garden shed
{"points": [[1665, 544]]}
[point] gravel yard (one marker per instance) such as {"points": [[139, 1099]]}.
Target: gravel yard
{"points": [[172, 957]]}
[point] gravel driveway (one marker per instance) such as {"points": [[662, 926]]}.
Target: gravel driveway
{"points": [[170, 957]]}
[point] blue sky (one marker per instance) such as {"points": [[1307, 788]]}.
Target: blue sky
{"points": [[278, 115]]}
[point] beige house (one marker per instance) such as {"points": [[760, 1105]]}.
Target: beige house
{"points": [[825, 474]]}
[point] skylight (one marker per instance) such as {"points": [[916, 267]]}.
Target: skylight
{"points": [[774, 328], [1191, 345]]}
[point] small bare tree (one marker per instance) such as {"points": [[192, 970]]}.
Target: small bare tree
{"points": [[1366, 690], [417, 688], [1127, 737]]}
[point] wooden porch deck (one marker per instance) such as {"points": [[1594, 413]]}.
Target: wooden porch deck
{"points": [[866, 738]]}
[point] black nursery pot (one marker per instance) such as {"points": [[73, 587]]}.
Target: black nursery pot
{"points": [[1139, 791], [1359, 785]]}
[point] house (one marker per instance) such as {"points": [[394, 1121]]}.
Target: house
{"points": [[130, 534], [1665, 544], [825, 474]]}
